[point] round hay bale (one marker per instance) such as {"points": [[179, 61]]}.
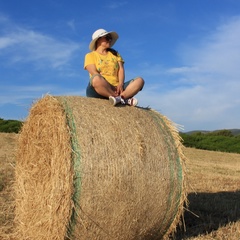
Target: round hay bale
{"points": [[88, 170]]}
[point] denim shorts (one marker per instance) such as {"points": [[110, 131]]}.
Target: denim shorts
{"points": [[90, 91]]}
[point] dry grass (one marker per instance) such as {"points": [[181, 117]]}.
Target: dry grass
{"points": [[214, 206], [7, 160], [214, 210]]}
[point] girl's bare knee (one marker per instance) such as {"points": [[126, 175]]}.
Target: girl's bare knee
{"points": [[140, 81], [97, 80]]}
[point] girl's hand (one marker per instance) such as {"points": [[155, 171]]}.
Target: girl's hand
{"points": [[119, 89]]}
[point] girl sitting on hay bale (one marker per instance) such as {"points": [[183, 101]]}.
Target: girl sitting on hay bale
{"points": [[105, 66]]}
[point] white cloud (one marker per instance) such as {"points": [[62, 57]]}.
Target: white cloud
{"points": [[71, 24], [183, 70], [220, 52], [6, 42], [23, 94], [21, 45], [22, 51], [116, 4], [207, 96]]}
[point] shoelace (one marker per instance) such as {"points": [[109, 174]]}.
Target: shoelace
{"points": [[123, 101]]}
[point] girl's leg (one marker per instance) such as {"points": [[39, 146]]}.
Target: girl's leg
{"points": [[102, 87], [132, 88]]}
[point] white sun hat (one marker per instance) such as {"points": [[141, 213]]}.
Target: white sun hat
{"points": [[100, 33]]}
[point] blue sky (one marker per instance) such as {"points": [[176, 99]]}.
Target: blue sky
{"points": [[187, 51]]}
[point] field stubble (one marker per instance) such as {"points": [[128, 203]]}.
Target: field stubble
{"points": [[214, 193]]}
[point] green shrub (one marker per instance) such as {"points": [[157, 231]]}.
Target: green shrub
{"points": [[222, 140], [10, 126]]}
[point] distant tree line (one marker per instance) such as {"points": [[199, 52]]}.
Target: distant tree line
{"points": [[221, 140], [10, 126]]}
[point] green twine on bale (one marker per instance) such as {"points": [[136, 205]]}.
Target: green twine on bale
{"points": [[76, 161], [159, 121]]}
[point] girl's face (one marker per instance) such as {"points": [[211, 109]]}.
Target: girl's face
{"points": [[104, 41]]}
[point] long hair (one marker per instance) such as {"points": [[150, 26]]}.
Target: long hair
{"points": [[113, 51]]}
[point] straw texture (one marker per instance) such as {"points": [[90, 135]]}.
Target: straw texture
{"points": [[44, 173], [88, 170]]}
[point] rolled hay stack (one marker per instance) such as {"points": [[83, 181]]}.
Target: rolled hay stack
{"points": [[88, 170]]}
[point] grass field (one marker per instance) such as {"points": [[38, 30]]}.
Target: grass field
{"points": [[214, 193]]}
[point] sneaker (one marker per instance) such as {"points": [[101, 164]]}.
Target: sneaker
{"points": [[114, 100], [130, 101]]}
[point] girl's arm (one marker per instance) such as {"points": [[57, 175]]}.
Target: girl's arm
{"points": [[121, 77], [91, 68]]}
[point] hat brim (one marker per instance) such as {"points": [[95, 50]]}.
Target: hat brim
{"points": [[114, 36]]}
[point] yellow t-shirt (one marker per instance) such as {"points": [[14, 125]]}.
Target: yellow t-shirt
{"points": [[106, 65]]}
